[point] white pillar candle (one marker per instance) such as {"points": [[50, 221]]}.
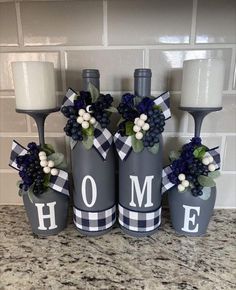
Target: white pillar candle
{"points": [[202, 84], [34, 83]]}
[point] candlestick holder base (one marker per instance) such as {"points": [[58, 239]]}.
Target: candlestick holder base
{"points": [[39, 116], [198, 115]]}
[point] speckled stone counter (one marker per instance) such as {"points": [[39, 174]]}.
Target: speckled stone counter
{"points": [[116, 261]]}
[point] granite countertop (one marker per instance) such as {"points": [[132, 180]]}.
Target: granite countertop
{"points": [[116, 261]]}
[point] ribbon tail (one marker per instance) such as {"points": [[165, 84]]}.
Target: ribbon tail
{"points": [[166, 184], [60, 182], [215, 153], [164, 101], [102, 140], [16, 150], [69, 98], [123, 145]]}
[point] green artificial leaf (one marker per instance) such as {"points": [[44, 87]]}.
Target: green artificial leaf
{"points": [[154, 149], [18, 183], [20, 192], [199, 152], [174, 155], [129, 128], [137, 145], [88, 142], [111, 110], [48, 149], [31, 193], [46, 180], [93, 91], [57, 158], [63, 165], [120, 121], [156, 107], [206, 181], [206, 193], [214, 174], [89, 131]]}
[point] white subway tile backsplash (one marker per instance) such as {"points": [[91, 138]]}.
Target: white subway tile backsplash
{"points": [[216, 21], [8, 25], [149, 22], [116, 67], [222, 121], [226, 190], [167, 65], [54, 123], [116, 37], [229, 160], [62, 22], [6, 82], [178, 118], [10, 121]]}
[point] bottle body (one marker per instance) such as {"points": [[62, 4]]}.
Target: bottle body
{"points": [[94, 185], [140, 177]]}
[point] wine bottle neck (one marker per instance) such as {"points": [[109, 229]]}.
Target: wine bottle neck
{"points": [[90, 76], [142, 82]]}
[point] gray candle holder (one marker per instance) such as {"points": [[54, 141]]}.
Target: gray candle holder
{"points": [[39, 116], [56, 204], [198, 115], [190, 215]]}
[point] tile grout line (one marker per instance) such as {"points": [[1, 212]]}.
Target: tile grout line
{"points": [[28, 124], [194, 23], [105, 25], [173, 47], [222, 150], [63, 70], [146, 63], [19, 25], [232, 72]]}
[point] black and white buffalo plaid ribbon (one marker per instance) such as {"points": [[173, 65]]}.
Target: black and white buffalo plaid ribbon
{"points": [[123, 144], [58, 182], [94, 221], [139, 221], [166, 184], [163, 100], [102, 137]]}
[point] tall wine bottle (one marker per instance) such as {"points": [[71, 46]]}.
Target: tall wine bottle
{"points": [[94, 181], [140, 176]]}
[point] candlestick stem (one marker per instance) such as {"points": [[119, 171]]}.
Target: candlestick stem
{"points": [[198, 115], [39, 116]]}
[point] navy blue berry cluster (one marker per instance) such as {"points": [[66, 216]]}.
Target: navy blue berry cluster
{"points": [[85, 113], [187, 168], [148, 119], [30, 170]]}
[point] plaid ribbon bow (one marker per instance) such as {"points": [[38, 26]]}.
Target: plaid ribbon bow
{"points": [[58, 182], [166, 184], [102, 137], [123, 144]]}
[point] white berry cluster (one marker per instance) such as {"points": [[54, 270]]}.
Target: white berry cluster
{"points": [[85, 118], [184, 182], [47, 164], [208, 160], [140, 125]]}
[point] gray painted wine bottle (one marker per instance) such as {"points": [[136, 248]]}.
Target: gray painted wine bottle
{"points": [[94, 181], [140, 176]]}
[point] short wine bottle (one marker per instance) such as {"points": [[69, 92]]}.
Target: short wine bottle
{"points": [[140, 177], [94, 181]]}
